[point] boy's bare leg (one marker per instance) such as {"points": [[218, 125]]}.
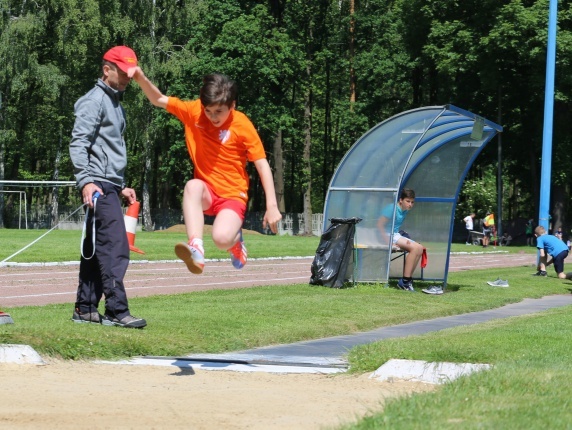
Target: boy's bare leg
{"points": [[415, 251], [226, 229], [542, 263], [196, 199]]}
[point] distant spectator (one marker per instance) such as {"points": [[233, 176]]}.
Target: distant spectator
{"points": [[488, 228], [529, 231], [468, 220], [558, 233], [505, 239]]}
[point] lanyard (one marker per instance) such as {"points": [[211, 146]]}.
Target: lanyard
{"points": [[83, 235]]}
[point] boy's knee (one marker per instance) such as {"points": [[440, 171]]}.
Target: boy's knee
{"points": [[223, 240], [194, 185]]}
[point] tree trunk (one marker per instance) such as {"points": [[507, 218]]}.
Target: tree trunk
{"points": [[55, 189], [2, 149], [147, 220], [279, 171], [560, 196], [352, 55], [307, 162]]}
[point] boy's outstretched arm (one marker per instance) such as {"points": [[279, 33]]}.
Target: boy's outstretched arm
{"points": [[151, 91], [272, 215]]}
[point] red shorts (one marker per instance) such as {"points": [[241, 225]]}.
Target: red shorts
{"points": [[220, 203]]}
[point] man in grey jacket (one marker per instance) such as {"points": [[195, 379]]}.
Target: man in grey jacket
{"points": [[99, 156]]}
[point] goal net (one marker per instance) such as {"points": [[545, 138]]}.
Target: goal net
{"points": [[37, 204]]}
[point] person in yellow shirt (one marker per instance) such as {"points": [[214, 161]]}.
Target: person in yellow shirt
{"points": [[488, 228]]}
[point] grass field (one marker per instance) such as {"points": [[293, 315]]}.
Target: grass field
{"points": [[527, 388], [64, 245]]}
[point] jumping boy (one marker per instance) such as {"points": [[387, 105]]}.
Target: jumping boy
{"points": [[550, 245], [220, 141], [414, 249]]}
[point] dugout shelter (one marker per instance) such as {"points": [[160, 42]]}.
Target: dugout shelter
{"points": [[429, 150]]}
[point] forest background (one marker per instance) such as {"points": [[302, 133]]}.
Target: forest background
{"points": [[313, 75]]}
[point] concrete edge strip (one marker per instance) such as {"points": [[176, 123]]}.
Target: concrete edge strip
{"points": [[19, 354], [186, 364], [424, 371]]}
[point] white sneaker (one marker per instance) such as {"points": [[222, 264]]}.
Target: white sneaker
{"points": [[192, 256], [433, 289], [498, 283]]}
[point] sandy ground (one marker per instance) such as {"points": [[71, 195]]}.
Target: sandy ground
{"points": [[61, 395]]}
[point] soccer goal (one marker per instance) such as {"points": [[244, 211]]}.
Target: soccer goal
{"points": [[36, 204]]}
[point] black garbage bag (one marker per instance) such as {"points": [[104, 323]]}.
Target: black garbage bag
{"points": [[334, 253]]}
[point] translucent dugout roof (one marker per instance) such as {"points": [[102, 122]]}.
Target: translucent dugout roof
{"points": [[428, 149]]}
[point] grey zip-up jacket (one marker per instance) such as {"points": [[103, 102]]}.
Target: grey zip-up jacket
{"points": [[97, 148]]}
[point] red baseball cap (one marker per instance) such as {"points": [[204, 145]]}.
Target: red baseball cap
{"points": [[123, 56]]}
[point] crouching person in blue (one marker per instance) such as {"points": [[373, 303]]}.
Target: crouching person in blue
{"points": [[549, 245]]}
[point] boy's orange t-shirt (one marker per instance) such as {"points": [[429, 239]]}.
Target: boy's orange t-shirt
{"points": [[219, 154]]}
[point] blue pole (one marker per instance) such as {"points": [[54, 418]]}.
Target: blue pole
{"points": [[543, 216]]}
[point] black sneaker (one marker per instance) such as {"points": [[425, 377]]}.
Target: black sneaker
{"points": [[128, 322], [541, 273], [86, 318], [407, 286]]}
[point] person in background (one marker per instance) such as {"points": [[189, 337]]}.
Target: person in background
{"points": [[558, 233], [505, 239], [99, 156], [488, 228], [469, 225], [529, 231], [549, 245]]}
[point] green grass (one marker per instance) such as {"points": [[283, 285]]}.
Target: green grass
{"points": [[64, 245], [527, 388], [229, 320]]}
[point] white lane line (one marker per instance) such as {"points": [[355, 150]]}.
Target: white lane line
{"points": [[183, 275], [249, 281], [180, 267], [161, 287], [25, 296]]}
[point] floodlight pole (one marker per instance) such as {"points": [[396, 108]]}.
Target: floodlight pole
{"points": [[543, 216], [498, 216]]}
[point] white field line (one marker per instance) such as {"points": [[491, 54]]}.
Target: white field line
{"points": [[130, 270], [132, 288]]}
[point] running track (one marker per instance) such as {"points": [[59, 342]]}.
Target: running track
{"points": [[27, 285]]}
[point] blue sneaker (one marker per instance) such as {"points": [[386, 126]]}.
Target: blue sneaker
{"points": [[238, 253], [407, 286]]}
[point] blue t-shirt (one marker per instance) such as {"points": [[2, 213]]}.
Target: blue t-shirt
{"points": [[551, 244], [400, 214]]}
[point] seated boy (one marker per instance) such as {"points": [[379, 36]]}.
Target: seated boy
{"points": [[414, 249], [550, 245]]}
